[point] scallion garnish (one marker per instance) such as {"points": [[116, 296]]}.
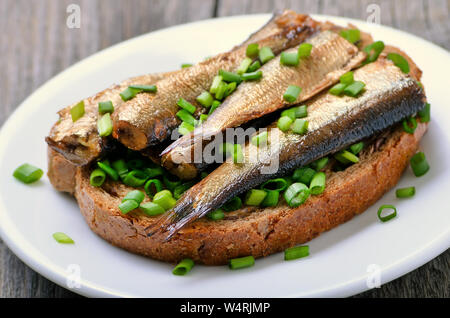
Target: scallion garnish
{"points": [[105, 107], [186, 117], [129, 93], [303, 175], [424, 113], [292, 93], [388, 217], [347, 78], [399, 61], [145, 88], [105, 125], [296, 194], [108, 170], [252, 50], [317, 185], [121, 167], [301, 111], [186, 65], [183, 267], [271, 198], [186, 105], [77, 111], [304, 50], [231, 87], [215, 84], [255, 197], [419, 164], [337, 89], [97, 178], [356, 148], [152, 187], [185, 128], [171, 181], [289, 58], [260, 139], [351, 35], [245, 64], [238, 156], [373, 51], [254, 66], [346, 157], [284, 123], [205, 99], [252, 76], [62, 238], [151, 209], [128, 206], [165, 199], [221, 91], [278, 184], [354, 88], [233, 204], [230, 76], [296, 252], [265, 54], [300, 126], [243, 262], [216, 215], [409, 125], [28, 173], [135, 195], [319, 164], [214, 105], [405, 192]]}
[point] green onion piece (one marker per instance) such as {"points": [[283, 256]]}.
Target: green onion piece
{"points": [[296, 194], [231, 87], [245, 64], [300, 126], [296, 252], [260, 139], [227, 148], [135, 178], [164, 199], [347, 78], [121, 167], [284, 123], [304, 50], [405, 192], [289, 59], [292, 93], [109, 171], [254, 66], [243, 262], [419, 164], [216, 215], [186, 65], [135, 195], [409, 125], [171, 181], [202, 119], [28, 173], [290, 112], [265, 54], [185, 128], [238, 156], [356, 148], [301, 111], [388, 217], [279, 184], [62, 238], [154, 171], [230, 76], [97, 178], [399, 61], [205, 99], [424, 113], [252, 76], [105, 125], [186, 105], [252, 50], [129, 93], [183, 267], [128, 206], [151, 209], [215, 84], [255, 197], [214, 105], [180, 189], [319, 164], [186, 117], [134, 164], [317, 185], [352, 35], [144, 88], [354, 89], [152, 187], [303, 175], [346, 157], [271, 198], [233, 204], [373, 51], [105, 107], [221, 91], [337, 89], [77, 111]]}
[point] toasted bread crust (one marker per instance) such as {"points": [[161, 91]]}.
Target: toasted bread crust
{"points": [[257, 232]]}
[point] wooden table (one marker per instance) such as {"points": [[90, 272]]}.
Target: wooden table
{"points": [[36, 44]]}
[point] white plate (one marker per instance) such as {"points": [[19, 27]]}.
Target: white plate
{"points": [[339, 260]]}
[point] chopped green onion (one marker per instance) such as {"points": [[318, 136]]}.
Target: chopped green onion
{"points": [[278, 184], [271, 198], [255, 197], [347, 78], [164, 199], [186, 65], [245, 64], [399, 61], [135, 178], [243, 262], [304, 50], [134, 164], [388, 217], [300, 126], [185, 128], [405, 192], [354, 88], [317, 185], [265, 54], [252, 76], [171, 181], [301, 111], [356, 148], [129, 93], [284, 123], [221, 91], [186, 105], [121, 167], [109, 171], [105, 107], [230, 76], [409, 125], [319, 164], [254, 66], [296, 252], [233, 204], [202, 119], [419, 164], [238, 156], [231, 87], [77, 111], [152, 187], [259, 139], [296, 194], [62, 238], [128, 206], [424, 113], [289, 59], [292, 93], [215, 84], [304, 175], [214, 105], [183, 267], [373, 51], [97, 178], [135, 195], [216, 215], [205, 99], [346, 157], [352, 35], [105, 125], [28, 173], [186, 117], [151, 209], [337, 89], [144, 88], [252, 50], [227, 148], [290, 112], [154, 171], [180, 189]]}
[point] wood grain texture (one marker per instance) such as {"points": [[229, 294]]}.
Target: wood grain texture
{"points": [[36, 45]]}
